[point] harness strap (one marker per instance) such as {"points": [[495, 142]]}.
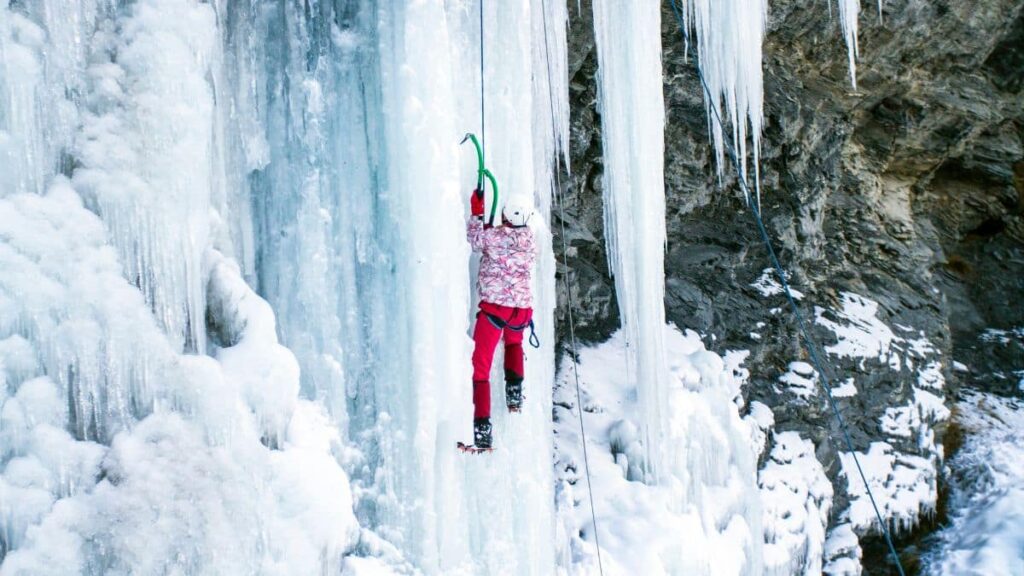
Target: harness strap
{"points": [[534, 340], [501, 324]]}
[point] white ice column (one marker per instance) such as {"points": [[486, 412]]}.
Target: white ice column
{"points": [[430, 292], [632, 122]]}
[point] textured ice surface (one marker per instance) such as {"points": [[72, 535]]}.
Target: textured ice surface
{"points": [[797, 498], [118, 453], [705, 517]]}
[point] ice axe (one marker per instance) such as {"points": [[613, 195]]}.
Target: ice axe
{"points": [[482, 173]]}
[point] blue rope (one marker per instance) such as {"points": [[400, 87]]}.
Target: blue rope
{"points": [[811, 344], [483, 125]]}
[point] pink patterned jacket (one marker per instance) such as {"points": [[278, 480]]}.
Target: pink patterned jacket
{"points": [[506, 264]]}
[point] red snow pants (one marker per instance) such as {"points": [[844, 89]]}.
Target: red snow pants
{"points": [[486, 335]]}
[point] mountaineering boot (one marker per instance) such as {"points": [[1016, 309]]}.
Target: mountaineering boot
{"points": [[482, 433], [513, 391]]}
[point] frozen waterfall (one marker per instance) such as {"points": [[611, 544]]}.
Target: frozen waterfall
{"points": [[236, 295], [159, 157]]}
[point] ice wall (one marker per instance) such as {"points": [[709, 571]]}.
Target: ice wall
{"points": [[633, 124], [307, 152], [118, 453], [360, 207]]}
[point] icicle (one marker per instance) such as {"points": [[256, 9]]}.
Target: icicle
{"points": [[729, 36], [632, 122], [849, 11]]}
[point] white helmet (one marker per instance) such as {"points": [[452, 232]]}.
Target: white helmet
{"points": [[517, 210]]}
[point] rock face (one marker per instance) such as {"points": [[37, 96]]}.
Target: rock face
{"points": [[907, 193]]}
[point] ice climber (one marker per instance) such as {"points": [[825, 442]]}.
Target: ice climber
{"points": [[507, 252]]}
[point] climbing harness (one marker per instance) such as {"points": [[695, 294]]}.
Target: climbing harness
{"points": [[569, 304], [811, 343], [500, 323]]}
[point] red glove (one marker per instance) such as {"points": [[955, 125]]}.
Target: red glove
{"points": [[476, 203]]}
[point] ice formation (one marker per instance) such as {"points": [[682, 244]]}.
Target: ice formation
{"points": [[842, 549], [849, 12], [662, 437], [633, 125], [797, 497], [703, 518], [849, 15], [161, 160], [728, 36]]}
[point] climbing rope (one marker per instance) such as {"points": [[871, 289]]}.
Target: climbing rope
{"points": [[568, 292], [811, 343], [483, 116]]}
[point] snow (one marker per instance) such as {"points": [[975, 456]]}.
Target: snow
{"points": [[797, 498], [1003, 337], [917, 418], [633, 123], [845, 390], [801, 380], [904, 487], [842, 549], [859, 332], [703, 518], [986, 501], [767, 285]]}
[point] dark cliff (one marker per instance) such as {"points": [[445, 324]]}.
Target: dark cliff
{"points": [[908, 192]]}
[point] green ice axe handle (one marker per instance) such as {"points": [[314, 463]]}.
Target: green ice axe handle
{"points": [[494, 188]]}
